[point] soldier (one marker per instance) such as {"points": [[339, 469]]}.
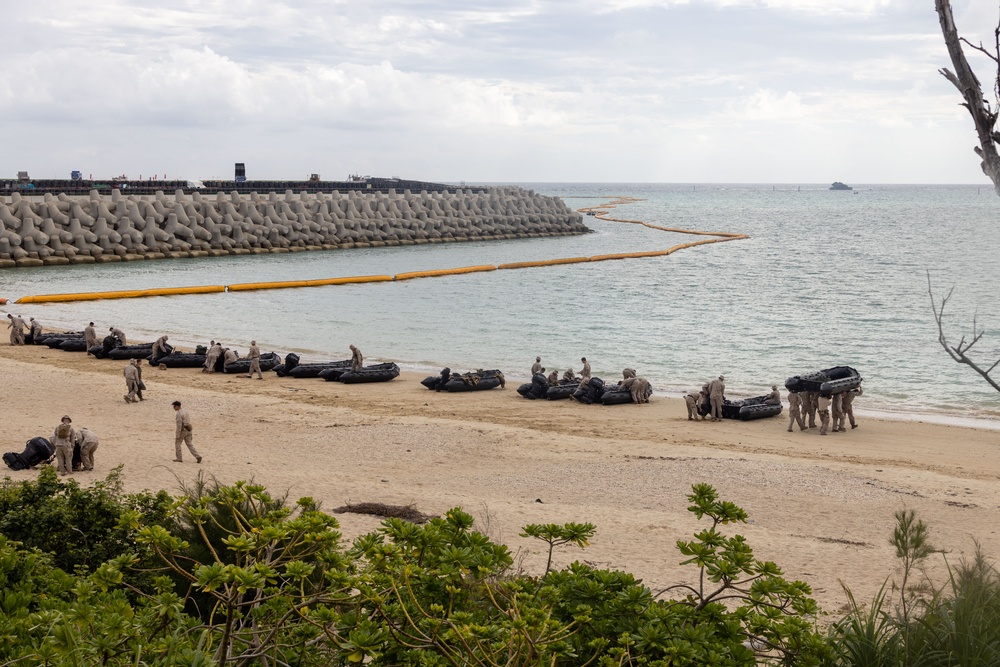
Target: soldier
{"points": [[87, 440], [131, 382], [691, 401], [553, 378], [794, 413], [230, 356], [628, 373], [775, 397], [139, 384], [16, 327], [569, 375], [357, 361], [214, 352], [585, 372], [159, 347], [716, 394], [837, 410], [182, 434], [536, 367], [62, 439], [639, 390], [848, 412], [254, 354], [703, 399], [810, 401], [823, 406], [119, 334], [90, 336], [34, 329]]}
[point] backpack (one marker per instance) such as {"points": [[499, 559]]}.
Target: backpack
{"points": [[64, 430]]}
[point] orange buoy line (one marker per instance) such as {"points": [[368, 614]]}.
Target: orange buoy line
{"points": [[600, 212]]}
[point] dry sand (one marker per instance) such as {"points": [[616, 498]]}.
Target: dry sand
{"points": [[821, 507]]}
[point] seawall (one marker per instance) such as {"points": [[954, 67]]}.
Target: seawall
{"points": [[59, 229]]}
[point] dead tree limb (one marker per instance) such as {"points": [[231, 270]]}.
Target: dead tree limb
{"points": [[964, 79], [960, 352]]}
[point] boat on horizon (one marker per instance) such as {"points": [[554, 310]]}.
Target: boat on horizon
{"points": [[837, 185]]}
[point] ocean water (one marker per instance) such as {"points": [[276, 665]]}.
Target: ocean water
{"points": [[826, 278]]}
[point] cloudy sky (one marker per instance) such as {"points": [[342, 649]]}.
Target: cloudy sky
{"points": [[760, 91]]}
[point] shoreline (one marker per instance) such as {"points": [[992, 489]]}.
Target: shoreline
{"points": [[820, 507], [672, 392]]}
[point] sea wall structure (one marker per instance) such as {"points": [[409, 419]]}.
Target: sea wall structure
{"points": [[59, 229]]}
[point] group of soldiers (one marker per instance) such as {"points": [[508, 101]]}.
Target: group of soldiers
{"points": [[714, 393], [804, 406], [217, 350], [65, 438], [90, 336], [636, 385], [17, 326]]}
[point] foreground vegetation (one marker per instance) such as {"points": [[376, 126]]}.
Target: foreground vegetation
{"points": [[228, 574]]}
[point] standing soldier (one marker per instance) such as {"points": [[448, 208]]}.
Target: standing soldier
{"points": [[35, 329], [357, 361], [131, 382], [837, 410], [811, 398], [536, 367], [182, 434], [716, 394], [139, 384], [585, 372], [16, 327], [254, 354], [62, 439], [119, 334], [848, 412], [87, 440], [90, 336], [794, 412], [159, 348], [823, 406]]}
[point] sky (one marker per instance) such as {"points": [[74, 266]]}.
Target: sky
{"points": [[668, 91]]}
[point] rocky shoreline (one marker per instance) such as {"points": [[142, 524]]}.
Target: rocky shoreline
{"points": [[59, 229]]}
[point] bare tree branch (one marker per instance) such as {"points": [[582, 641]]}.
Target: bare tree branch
{"points": [[964, 79], [959, 352]]}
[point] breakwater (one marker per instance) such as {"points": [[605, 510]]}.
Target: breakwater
{"points": [[59, 229]]}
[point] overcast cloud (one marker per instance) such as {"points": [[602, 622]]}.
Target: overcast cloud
{"points": [[619, 90]]}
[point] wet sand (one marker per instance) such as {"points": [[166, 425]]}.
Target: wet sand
{"points": [[821, 507]]}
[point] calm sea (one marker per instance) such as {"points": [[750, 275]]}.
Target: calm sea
{"points": [[827, 278]]}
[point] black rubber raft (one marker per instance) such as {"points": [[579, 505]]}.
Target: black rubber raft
{"points": [[375, 373], [479, 380], [834, 380], [36, 451], [746, 409]]}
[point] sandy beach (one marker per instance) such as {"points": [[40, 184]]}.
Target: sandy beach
{"points": [[821, 507]]}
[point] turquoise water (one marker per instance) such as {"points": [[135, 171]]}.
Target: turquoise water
{"points": [[827, 278]]}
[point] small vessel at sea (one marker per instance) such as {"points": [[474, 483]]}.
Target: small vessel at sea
{"points": [[837, 185]]}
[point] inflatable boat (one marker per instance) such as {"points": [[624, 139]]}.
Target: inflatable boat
{"points": [[131, 352], [750, 408], [268, 361], [312, 370], [564, 389], [43, 338], [56, 340], [36, 451], [374, 373], [182, 360], [479, 380], [834, 380], [614, 396], [291, 361]]}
